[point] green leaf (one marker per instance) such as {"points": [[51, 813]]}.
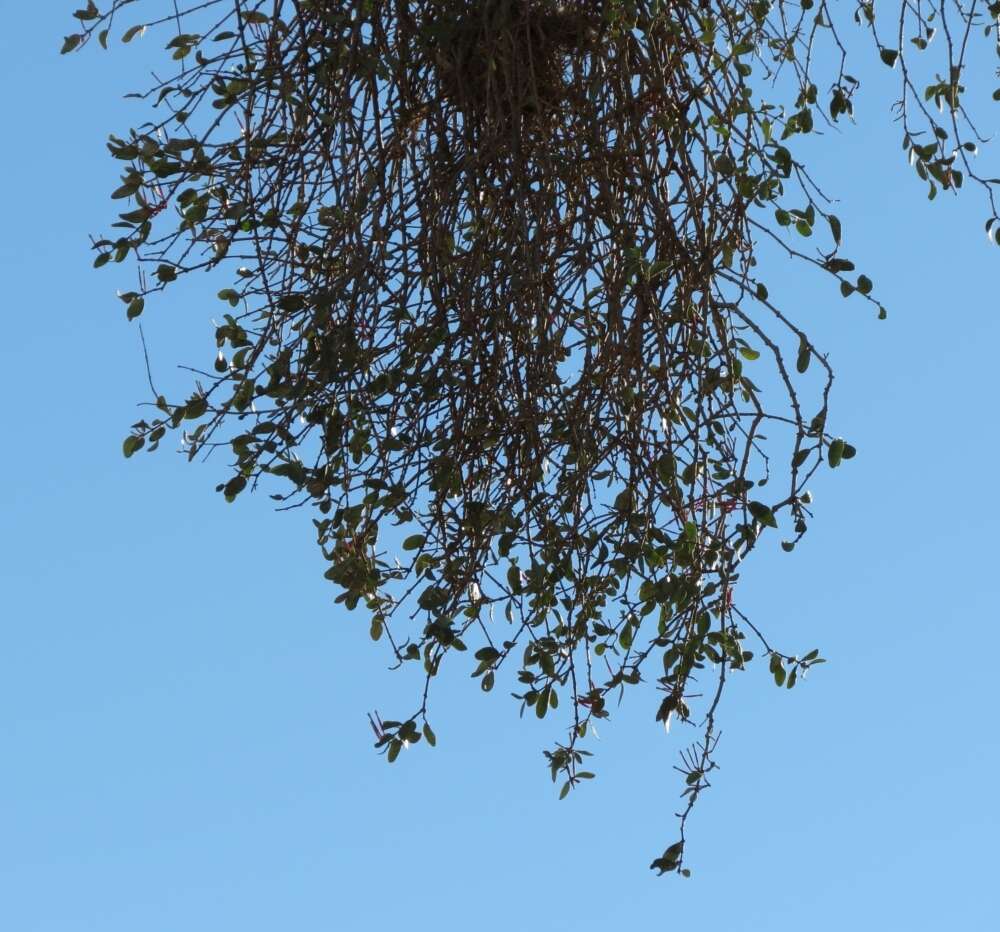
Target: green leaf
{"points": [[724, 164], [90, 12], [432, 597], [669, 860], [657, 268], [624, 501], [835, 228], [762, 513], [429, 735], [805, 354], [836, 264], [414, 542], [133, 443], [836, 453], [666, 468], [489, 654], [233, 488], [888, 57], [70, 43], [864, 284], [127, 189]]}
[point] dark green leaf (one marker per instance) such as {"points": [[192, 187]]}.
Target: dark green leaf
{"points": [[835, 228], [836, 453], [804, 355], [762, 513], [132, 444], [135, 308]]}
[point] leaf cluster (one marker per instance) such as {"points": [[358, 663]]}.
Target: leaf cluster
{"points": [[491, 305]]}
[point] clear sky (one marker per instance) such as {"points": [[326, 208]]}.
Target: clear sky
{"points": [[183, 709]]}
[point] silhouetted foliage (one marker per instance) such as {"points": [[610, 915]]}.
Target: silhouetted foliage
{"points": [[492, 306]]}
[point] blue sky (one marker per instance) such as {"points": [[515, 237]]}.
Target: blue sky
{"points": [[182, 707]]}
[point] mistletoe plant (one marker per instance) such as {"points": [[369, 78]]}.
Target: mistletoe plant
{"points": [[493, 307]]}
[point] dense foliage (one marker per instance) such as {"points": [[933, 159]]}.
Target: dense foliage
{"points": [[492, 306]]}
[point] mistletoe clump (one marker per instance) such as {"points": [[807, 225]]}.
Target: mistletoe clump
{"points": [[493, 309]]}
